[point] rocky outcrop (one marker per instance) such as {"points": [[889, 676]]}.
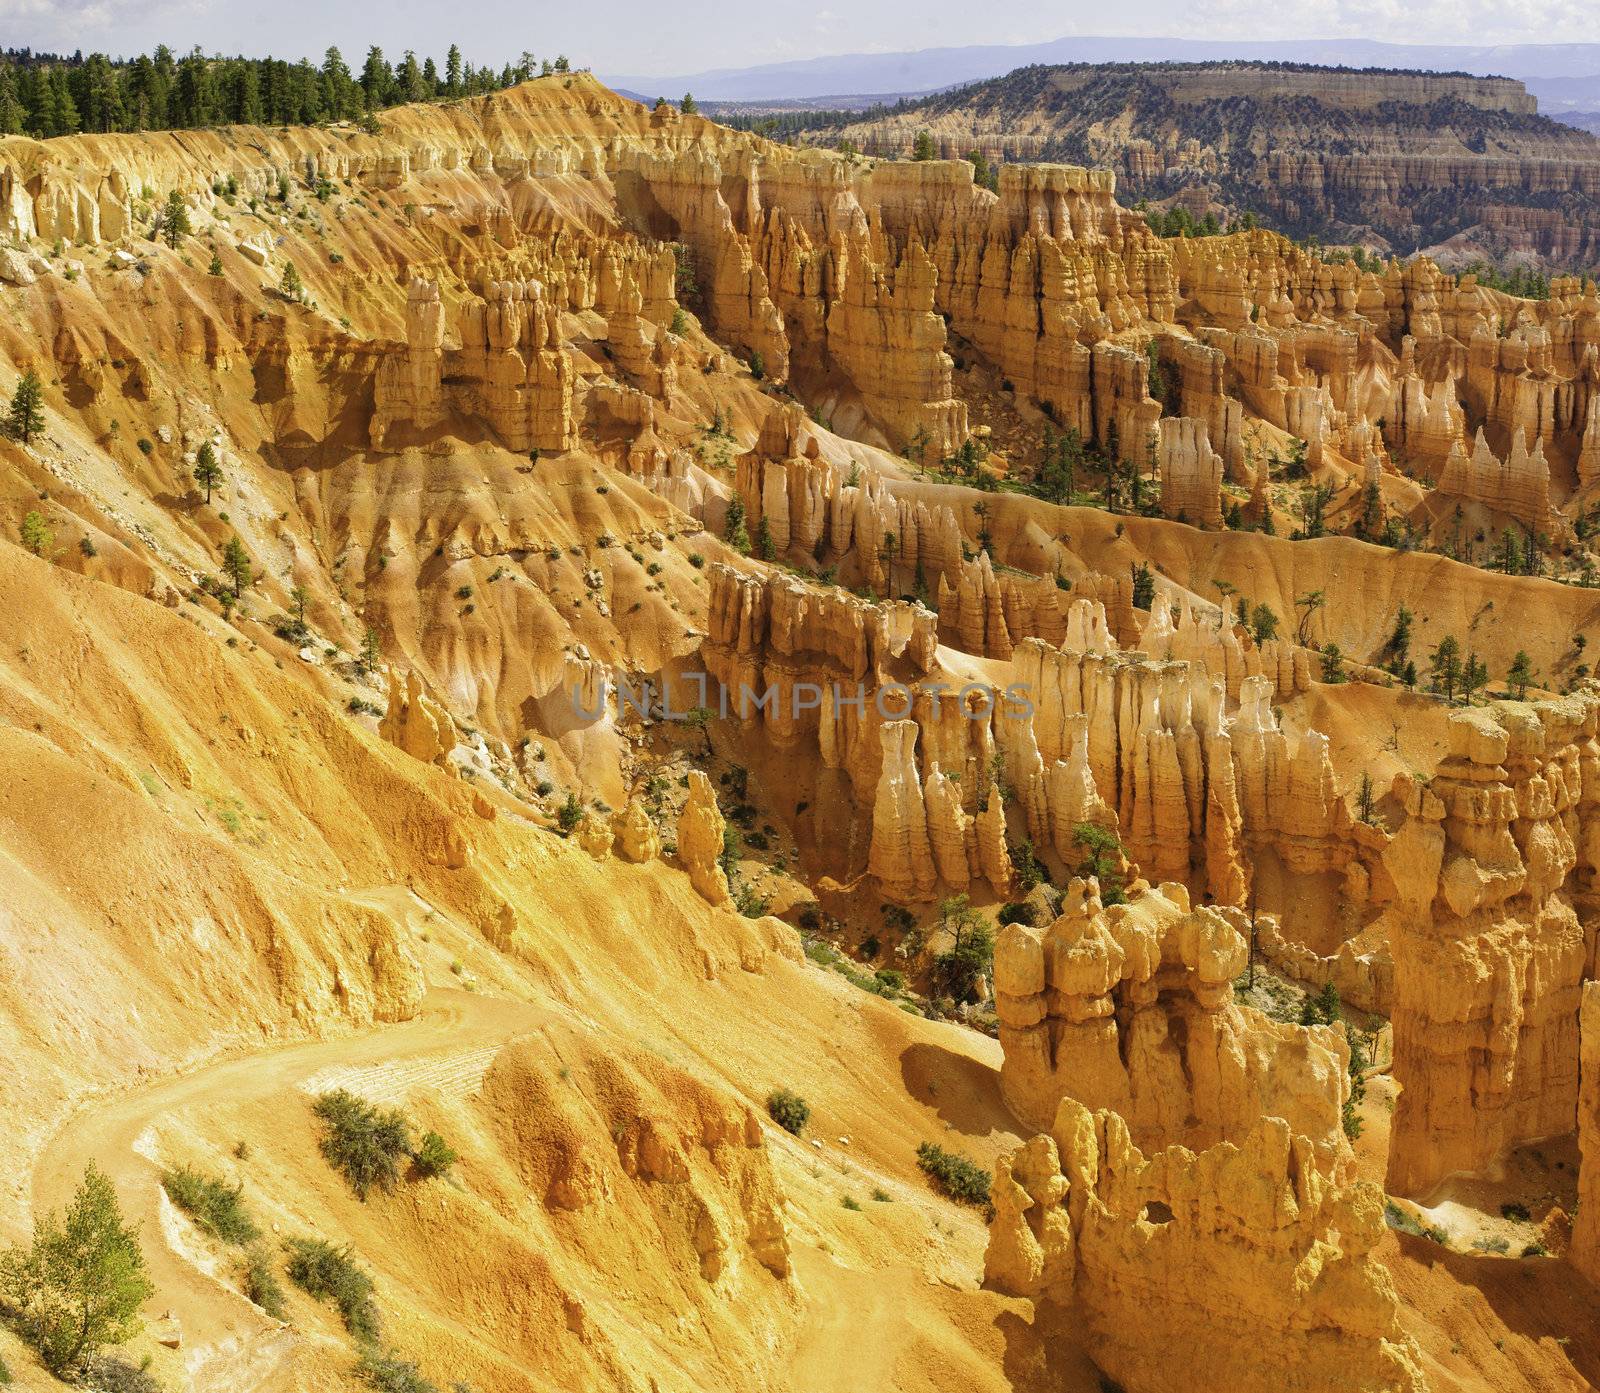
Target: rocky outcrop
{"points": [[510, 369], [1255, 1269], [1190, 471], [1516, 487], [1487, 977], [1130, 1007], [1584, 1251], [635, 834], [415, 722], [700, 837]]}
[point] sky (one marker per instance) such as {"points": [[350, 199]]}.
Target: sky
{"points": [[683, 36]]}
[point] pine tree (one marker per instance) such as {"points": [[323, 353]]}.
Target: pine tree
{"points": [[1444, 667], [766, 548], [452, 72], [734, 531], [336, 86], [36, 535], [172, 222], [687, 106], [377, 80], [922, 147], [292, 286], [207, 472], [26, 418], [1520, 676], [12, 114], [1144, 586], [236, 565], [215, 269]]}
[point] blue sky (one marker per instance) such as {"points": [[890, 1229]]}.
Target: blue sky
{"points": [[677, 36]]}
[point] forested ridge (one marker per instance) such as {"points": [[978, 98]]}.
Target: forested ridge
{"points": [[47, 94]]}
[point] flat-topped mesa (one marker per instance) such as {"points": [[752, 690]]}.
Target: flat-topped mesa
{"points": [[1244, 1267], [510, 369], [1489, 962], [1130, 1007], [1190, 471]]}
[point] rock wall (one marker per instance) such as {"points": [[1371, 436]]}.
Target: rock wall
{"points": [[1494, 852], [1244, 1267], [1130, 1007], [1584, 1251]]}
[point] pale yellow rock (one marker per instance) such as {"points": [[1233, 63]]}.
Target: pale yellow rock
{"points": [[700, 830]]}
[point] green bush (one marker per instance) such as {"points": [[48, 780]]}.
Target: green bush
{"points": [[387, 1371], [327, 1273], [365, 1143], [80, 1284], [212, 1203], [434, 1155], [789, 1110], [261, 1285], [5, 1373], [956, 1176]]}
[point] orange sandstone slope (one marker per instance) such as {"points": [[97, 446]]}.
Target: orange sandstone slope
{"points": [[486, 452]]}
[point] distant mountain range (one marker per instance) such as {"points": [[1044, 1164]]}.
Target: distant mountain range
{"points": [[1564, 77]]}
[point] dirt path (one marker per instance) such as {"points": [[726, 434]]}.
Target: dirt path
{"points": [[228, 1345]]}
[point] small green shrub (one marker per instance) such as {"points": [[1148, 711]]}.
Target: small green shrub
{"points": [[326, 1273], [212, 1203], [364, 1143], [955, 1175], [5, 1373], [850, 1203], [388, 1372], [789, 1110], [1515, 1211], [260, 1283], [434, 1155]]}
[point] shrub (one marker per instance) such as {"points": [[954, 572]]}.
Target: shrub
{"points": [[789, 1110], [1515, 1211], [387, 1371], [212, 1203], [570, 813], [80, 1284], [955, 1175], [851, 1203], [260, 1283], [327, 1273], [5, 1373], [434, 1155], [696, 560], [107, 1374], [363, 1142]]}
